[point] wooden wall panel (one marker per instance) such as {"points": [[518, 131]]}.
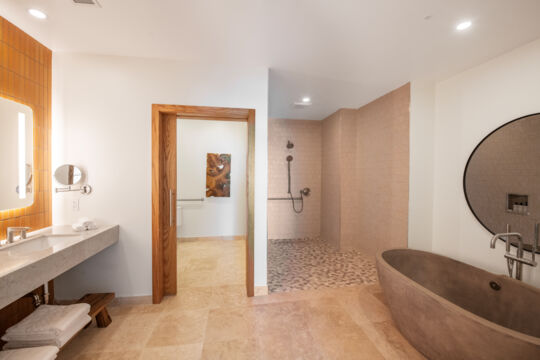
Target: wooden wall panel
{"points": [[25, 77], [168, 177]]}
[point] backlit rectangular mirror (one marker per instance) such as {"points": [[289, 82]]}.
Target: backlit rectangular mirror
{"points": [[16, 155]]}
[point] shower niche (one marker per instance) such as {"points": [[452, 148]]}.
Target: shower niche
{"points": [[517, 204]]}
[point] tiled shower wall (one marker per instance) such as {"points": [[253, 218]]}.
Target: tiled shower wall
{"points": [[331, 178], [365, 175], [283, 222], [356, 162], [382, 172]]}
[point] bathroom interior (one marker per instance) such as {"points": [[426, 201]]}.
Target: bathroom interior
{"points": [[359, 182]]}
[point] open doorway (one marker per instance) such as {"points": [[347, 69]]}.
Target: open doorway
{"points": [[165, 190], [211, 216]]}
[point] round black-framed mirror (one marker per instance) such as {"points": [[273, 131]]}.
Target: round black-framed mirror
{"points": [[501, 180]]}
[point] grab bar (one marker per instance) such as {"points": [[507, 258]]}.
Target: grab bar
{"points": [[199, 199], [284, 198]]}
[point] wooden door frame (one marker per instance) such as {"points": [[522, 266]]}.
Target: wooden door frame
{"points": [[164, 253]]}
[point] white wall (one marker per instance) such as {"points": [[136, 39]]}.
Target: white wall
{"points": [[102, 121], [421, 120], [468, 107], [214, 216]]}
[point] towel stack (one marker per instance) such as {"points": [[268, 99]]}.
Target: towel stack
{"points": [[48, 325], [84, 224], [36, 353]]}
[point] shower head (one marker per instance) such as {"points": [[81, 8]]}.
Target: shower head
{"points": [[289, 158], [290, 145]]}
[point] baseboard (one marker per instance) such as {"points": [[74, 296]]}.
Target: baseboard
{"points": [[261, 290], [211, 238]]}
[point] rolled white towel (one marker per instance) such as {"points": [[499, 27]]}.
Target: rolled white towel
{"points": [[91, 226], [47, 322], [35, 353], [78, 227], [87, 223]]}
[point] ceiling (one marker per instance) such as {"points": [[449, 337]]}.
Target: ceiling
{"points": [[342, 53]]}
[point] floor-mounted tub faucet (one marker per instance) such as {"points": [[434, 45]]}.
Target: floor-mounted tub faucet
{"points": [[519, 259]]}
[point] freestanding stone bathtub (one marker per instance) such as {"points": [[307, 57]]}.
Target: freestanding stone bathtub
{"points": [[451, 310]]}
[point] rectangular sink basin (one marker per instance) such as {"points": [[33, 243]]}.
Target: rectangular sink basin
{"points": [[40, 244]]}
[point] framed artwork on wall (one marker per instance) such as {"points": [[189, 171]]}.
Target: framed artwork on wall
{"points": [[218, 175]]}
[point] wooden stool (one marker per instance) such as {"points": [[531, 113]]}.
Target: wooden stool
{"points": [[98, 307]]}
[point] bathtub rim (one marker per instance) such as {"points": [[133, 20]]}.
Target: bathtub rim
{"points": [[450, 305]]}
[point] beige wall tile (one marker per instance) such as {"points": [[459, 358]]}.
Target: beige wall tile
{"points": [[365, 175], [283, 222]]}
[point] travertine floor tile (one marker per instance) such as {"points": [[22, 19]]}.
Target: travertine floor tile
{"points": [[211, 318], [239, 349], [107, 355], [226, 324], [396, 341], [181, 352], [189, 298], [179, 328], [134, 309], [351, 345]]}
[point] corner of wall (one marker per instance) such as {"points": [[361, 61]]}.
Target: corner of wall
{"points": [[421, 132]]}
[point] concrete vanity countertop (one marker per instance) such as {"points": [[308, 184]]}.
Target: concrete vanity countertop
{"points": [[45, 254]]}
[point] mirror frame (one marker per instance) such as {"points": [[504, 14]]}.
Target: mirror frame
{"points": [[81, 179], [467, 168]]}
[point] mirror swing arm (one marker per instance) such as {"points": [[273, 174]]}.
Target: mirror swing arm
{"points": [[70, 175], [84, 189]]}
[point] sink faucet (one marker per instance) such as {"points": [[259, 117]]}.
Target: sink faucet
{"points": [[12, 230]]}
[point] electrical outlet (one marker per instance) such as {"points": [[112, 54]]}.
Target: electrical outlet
{"points": [[76, 205]]}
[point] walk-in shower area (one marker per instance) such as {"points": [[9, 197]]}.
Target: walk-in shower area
{"points": [[337, 194]]}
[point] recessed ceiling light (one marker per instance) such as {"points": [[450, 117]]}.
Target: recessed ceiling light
{"points": [[37, 13], [304, 101], [463, 25]]}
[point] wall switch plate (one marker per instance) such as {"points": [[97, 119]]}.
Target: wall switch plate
{"points": [[76, 205]]}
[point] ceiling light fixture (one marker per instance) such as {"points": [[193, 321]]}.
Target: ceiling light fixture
{"points": [[463, 25], [305, 101], [37, 13]]}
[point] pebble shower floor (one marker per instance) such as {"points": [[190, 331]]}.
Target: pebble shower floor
{"points": [[302, 264]]}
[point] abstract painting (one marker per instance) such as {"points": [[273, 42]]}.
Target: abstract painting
{"points": [[218, 175]]}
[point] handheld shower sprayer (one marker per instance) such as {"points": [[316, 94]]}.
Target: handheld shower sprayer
{"points": [[303, 192]]}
